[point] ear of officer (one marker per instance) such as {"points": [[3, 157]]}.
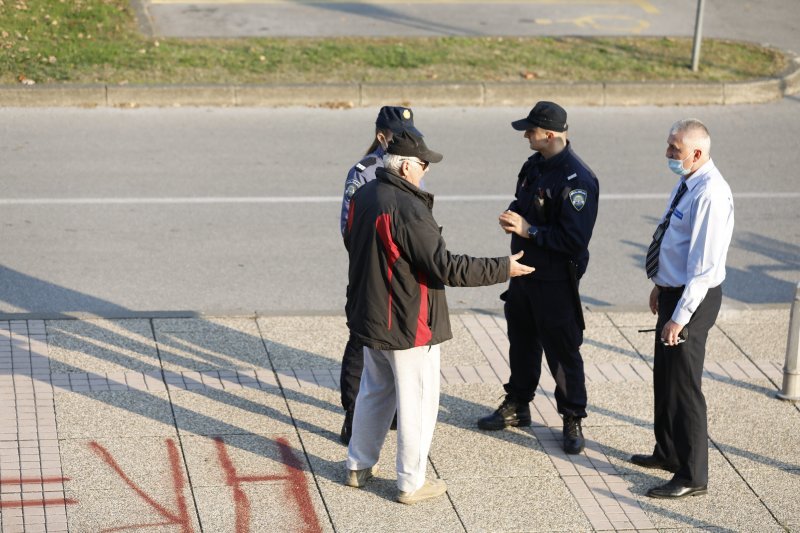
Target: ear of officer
{"points": [[545, 128]]}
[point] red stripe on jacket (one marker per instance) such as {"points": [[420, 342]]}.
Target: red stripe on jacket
{"points": [[384, 227], [424, 333]]}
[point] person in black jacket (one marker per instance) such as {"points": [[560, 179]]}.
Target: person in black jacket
{"points": [[390, 120], [396, 308], [551, 220]]}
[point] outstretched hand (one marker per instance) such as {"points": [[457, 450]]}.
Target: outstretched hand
{"points": [[516, 268]]}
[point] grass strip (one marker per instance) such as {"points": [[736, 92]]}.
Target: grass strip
{"points": [[97, 41]]}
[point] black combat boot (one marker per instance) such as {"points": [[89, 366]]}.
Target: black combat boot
{"points": [[347, 428], [510, 413], [573, 435]]}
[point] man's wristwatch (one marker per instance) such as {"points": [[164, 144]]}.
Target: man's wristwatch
{"points": [[532, 231]]}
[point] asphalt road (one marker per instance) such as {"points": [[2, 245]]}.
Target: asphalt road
{"points": [[776, 22], [112, 211]]}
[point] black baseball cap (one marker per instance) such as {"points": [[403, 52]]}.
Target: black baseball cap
{"points": [[545, 115], [408, 144], [397, 119]]}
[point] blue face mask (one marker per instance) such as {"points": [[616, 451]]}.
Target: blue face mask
{"points": [[676, 165]]}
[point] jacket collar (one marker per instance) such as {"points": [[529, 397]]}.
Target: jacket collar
{"points": [[554, 161], [386, 176]]}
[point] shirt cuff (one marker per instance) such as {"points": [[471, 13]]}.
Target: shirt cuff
{"points": [[681, 315]]}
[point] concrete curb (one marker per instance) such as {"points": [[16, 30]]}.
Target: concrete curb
{"points": [[473, 94]]}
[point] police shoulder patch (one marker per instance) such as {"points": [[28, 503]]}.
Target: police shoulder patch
{"points": [[577, 198], [350, 189]]}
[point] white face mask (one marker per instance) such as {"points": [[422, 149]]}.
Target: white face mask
{"points": [[676, 165]]}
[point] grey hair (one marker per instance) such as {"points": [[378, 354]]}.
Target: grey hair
{"points": [[695, 133], [392, 162]]}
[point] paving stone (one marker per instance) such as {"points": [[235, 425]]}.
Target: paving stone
{"points": [[101, 346], [231, 412], [776, 487], [123, 510], [212, 349], [760, 341], [264, 507], [97, 465], [316, 409], [612, 404], [597, 320], [641, 319], [217, 462], [304, 342], [747, 421], [607, 345], [474, 454], [113, 414], [520, 503], [462, 348]]}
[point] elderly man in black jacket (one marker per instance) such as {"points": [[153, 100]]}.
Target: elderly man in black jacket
{"points": [[396, 307]]}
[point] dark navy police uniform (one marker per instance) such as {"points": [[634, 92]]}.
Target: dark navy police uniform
{"points": [[353, 358], [559, 197]]}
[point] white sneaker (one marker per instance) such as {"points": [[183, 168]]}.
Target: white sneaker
{"points": [[358, 478], [431, 489]]}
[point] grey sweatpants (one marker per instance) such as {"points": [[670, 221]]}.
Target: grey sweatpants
{"points": [[408, 381]]}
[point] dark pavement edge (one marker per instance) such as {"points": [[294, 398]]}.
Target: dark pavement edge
{"points": [[472, 94]]}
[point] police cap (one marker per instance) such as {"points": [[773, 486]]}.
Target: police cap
{"points": [[545, 115], [396, 119]]}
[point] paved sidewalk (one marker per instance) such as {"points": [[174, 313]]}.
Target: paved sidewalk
{"points": [[231, 424]]}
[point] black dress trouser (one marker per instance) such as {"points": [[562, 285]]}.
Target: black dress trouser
{"points": [[541, 317], [350, 378], [680, 420]]}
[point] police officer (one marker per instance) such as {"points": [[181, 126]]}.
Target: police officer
{"points": [[551, 220], [391, 121]]}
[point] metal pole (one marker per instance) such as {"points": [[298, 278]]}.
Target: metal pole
{"points": [[698, 35], [791, 370]]}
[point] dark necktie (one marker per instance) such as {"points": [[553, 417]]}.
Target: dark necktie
{"points": [[651, 263]]}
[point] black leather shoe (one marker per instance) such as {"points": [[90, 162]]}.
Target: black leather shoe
{"points": [[676, 489], [573, 435], [510, 413], [651, 461], [347, 428]]}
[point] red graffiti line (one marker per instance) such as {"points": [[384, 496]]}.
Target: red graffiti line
{"points": [[181, 518], [296, 488], [36, 503]]}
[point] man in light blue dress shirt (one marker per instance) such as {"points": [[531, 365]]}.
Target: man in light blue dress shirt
{"points": [[686, 262]]}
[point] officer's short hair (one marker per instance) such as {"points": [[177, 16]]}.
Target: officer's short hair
{"points": [[697, 131]]}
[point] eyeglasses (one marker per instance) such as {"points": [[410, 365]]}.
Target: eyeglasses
{"points": [[423, 164]]}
